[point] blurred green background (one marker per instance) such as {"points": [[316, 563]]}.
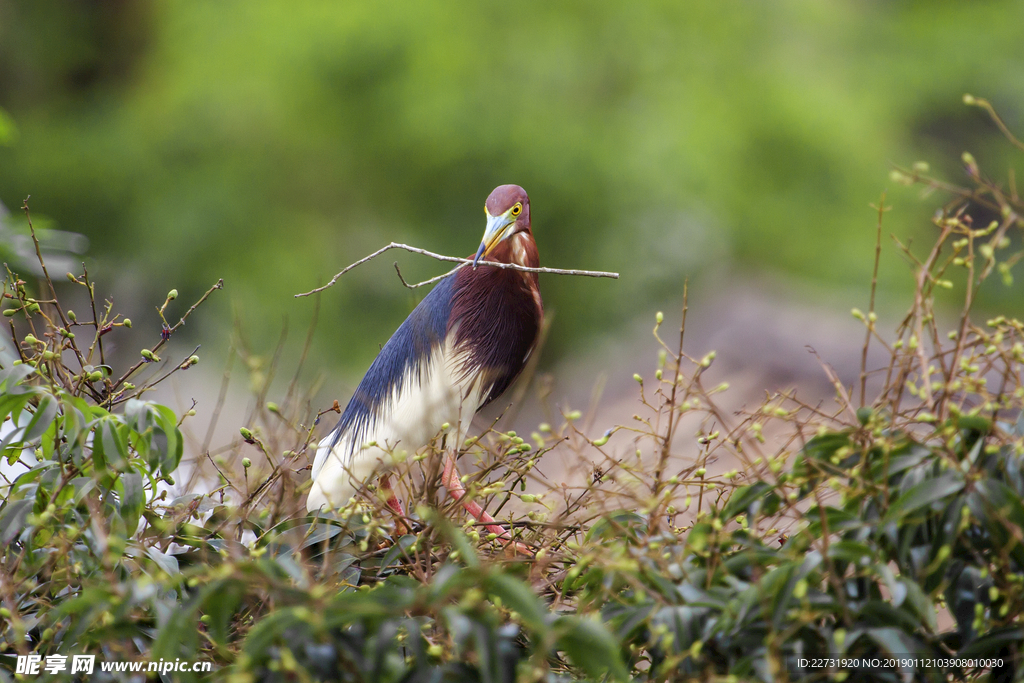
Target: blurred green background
{"points": [[273, 143]]}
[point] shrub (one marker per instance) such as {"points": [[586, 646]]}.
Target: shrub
{"points": [[884, 531]]}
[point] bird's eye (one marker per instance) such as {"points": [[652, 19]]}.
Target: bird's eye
{"points": [[517, 209]]}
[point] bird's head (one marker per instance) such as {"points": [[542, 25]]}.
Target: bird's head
{"points": [[508, 213]]}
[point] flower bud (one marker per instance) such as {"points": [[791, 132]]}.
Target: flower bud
{"points": [[11, 312], [638, 378], [246, 463], [659, 317], [172, 295], [246, 434], [574, 415], [127, 323], [71, 316]]}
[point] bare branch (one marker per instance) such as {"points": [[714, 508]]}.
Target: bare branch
{"points": [[461, 262]]}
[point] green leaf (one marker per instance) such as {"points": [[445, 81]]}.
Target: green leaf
{"points": [[166, 562], [923, 494], [166, 423], [13, 376], [591, 647], [744, 498], [133, 499], [219, 602], [110, 445], [396, 551], [517, 596], [42, 419], [858, 554], [12, 519], [616, 525]]}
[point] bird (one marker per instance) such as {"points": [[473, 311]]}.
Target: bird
{"points": [[462, 346]]}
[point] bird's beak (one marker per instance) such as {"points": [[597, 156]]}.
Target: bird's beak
{"points": [[495, 232]]}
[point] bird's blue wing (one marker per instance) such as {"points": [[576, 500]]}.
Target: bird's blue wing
{"points": [[410, 347]]}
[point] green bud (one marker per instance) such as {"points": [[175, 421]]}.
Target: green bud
{"points": [[205, 619], [972, 165], [5, 613], [172, 295], [272, 407], [127, 323], [128, 386], [71, 316], [246, 463], [169, 479], [969, 99], [31, 339], [11, 312], [149, 355], [95, 376], [525, 448], [574, 415], [659, 317], [246, 433], [638, 378], [528, 498], [191, 412], [445, 427], [72, 278], [33, 308], [602, 441]]}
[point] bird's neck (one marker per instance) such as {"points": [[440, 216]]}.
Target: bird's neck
{"points": [[519, 249]]}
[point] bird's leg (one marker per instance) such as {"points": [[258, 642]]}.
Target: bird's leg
{"points": [[391, 500], [450, 480]]}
